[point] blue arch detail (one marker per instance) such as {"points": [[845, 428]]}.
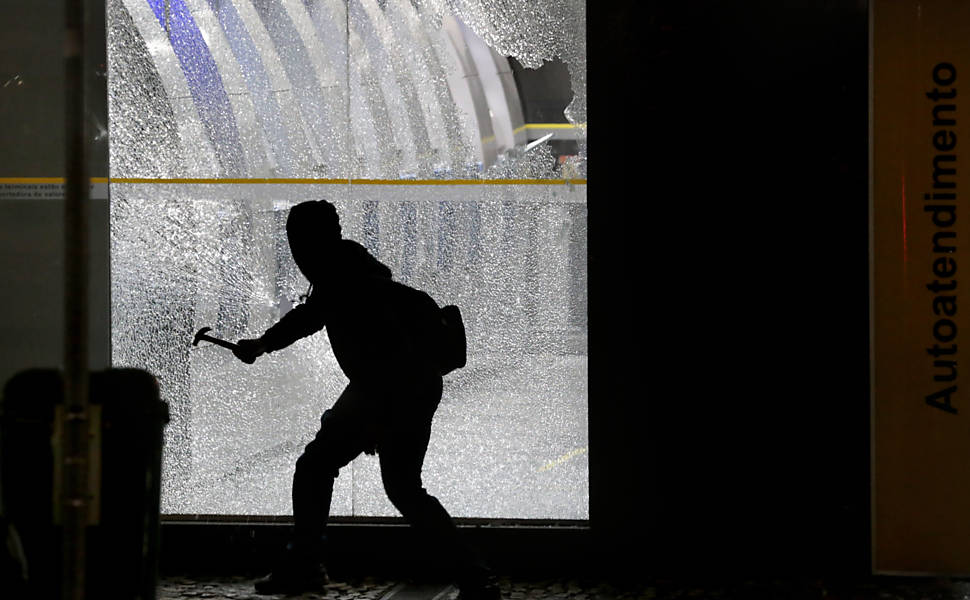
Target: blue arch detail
{"points": [[205, 83], [257, 80], [299, 70]]}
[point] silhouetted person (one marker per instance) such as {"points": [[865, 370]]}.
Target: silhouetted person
{"points": [[387, 339]]}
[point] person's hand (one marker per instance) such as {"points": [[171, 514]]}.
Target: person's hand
{"points": [[249, 350]]}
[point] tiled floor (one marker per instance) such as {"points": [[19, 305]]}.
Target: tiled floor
{"points": [[239, 588]]}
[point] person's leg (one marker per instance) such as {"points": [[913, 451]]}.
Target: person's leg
{"points": [[402, 449], [343, 435]]}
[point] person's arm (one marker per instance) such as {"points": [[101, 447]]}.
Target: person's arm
{"points": [[305, 319]]}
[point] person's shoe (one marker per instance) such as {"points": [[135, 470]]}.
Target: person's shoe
{"points": [[294, 579]]}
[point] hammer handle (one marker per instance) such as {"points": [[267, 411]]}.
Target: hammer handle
{"points": [[218, 342]]}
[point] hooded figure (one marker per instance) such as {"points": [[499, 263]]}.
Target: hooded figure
{"points": [[377, 327], [386, 338]]}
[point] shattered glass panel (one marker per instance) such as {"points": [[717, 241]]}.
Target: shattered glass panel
{"points": [[224, 114]]}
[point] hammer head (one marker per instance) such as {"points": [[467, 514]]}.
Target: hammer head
{"points": [[199, 334]]}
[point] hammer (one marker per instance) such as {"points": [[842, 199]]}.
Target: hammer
{"points": [[202, 336]]}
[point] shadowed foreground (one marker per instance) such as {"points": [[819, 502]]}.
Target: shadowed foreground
{"points": [[877, 588]]}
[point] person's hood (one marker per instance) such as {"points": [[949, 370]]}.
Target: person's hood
{"points": [[323, 260], [313, 231], [352, 259]]}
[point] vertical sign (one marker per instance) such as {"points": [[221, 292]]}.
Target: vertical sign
{"points": [[920, 275]]}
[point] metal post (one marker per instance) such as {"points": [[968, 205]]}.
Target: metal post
{"points": [[74, 441]]}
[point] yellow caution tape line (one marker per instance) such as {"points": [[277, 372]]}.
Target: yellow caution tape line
{"points": [[467, 181], [279, 181], [564, 458], [541, 126]]}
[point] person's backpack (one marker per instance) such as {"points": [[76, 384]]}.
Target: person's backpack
{"points": [[440, 329], [452, 344]]}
